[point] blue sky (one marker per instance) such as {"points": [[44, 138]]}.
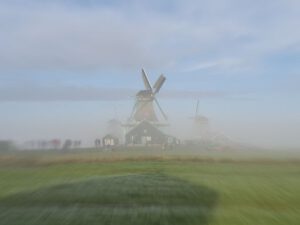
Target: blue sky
{"points": [[66, 67]]}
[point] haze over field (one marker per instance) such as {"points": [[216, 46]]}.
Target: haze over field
{"points": [[67, 67]]}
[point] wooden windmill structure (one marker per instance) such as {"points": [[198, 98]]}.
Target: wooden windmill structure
{"points": [[145, 102], [143, 125]]}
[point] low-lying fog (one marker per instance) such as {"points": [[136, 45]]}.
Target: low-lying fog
{"points": [[87, 121]]}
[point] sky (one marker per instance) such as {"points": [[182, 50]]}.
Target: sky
{"points": [[67, 67]]}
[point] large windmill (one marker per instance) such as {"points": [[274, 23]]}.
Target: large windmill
{"points": [[145, 101]]}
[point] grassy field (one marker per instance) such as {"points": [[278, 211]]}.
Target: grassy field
{"points": [[149, 187]]}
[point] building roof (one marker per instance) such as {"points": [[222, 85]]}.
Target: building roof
{"points": [[145, 125], [110, 136]]}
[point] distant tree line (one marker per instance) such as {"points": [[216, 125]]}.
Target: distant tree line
{"points": [[6, 146]]}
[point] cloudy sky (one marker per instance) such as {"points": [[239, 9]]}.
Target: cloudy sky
{"points": [[66, 67]]}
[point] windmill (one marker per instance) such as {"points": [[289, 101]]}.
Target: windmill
{"points": [[201, 124], [145, 100]]}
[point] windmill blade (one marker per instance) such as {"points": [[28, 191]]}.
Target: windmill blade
{"points": [[159, 83], [146, 80], [160, 109], [197, 106], [132, 111]]}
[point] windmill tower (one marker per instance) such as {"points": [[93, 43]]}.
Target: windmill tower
{"points": [[114, 127], [145, 100], [201, 126]]}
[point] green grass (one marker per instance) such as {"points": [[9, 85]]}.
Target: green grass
{"points": [[129, 199], [148, 188]]}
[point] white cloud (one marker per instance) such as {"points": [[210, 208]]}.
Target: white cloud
{"points": [[222, 64], [57, 35]]}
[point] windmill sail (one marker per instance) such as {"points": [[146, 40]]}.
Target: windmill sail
{"points": [[146, 80], [161, 110], [158, 84]]}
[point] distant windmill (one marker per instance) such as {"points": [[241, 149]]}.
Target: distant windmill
{"points": [[143, 109], [201, 124]]}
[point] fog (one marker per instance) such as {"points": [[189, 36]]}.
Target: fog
{"points": [[87, 121], [68, 67]]}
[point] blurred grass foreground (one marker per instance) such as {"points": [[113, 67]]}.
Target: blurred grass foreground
{"points": [[148, 187]]}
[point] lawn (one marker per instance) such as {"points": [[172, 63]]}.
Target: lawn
{"points": [[149, 187]]}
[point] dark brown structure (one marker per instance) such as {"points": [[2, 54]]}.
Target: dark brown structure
{"points": [[145, 134]]}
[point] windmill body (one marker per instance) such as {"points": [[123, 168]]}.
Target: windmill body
{"points": [[145, 107], [201, 127]]}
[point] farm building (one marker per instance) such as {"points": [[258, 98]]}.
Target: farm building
{"points": [[145, 134], [110, 141]]}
